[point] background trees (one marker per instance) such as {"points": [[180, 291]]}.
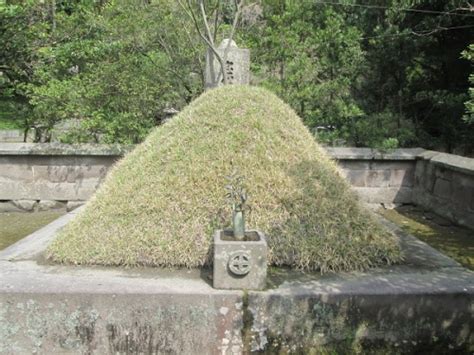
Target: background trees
{"points": [[372, 73]]}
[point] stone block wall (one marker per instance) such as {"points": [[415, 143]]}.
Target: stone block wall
{"points": [[444, 184], [40, 176], [378, 178], [48, 176], [11, 135], [439, 182]]}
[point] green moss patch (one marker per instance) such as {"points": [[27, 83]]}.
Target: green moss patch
{"points": [[17, 225], [161, 203], [454, 241]]}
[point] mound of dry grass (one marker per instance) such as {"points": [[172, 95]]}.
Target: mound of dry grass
{"points": [[161, 203]]}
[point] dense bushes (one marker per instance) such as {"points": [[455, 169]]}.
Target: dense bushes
{"points": [[386, 76]]}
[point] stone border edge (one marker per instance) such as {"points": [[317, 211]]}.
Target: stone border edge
{"points": [[54, 149]]}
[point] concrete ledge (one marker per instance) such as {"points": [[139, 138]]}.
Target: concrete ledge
{"points": [[404, 313], [454, 162], [63, 149], [348, 153], [423, 305]]}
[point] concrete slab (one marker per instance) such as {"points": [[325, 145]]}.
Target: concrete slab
{"points": [[424, 304]]}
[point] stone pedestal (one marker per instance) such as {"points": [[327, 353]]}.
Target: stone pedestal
{"points": [[240, 264]]}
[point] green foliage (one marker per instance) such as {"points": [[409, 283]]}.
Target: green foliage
{"points": [[114, 78], [355, 74], [8, 115], [414, 73], [97, 66], [22, 33], [469, 115], [162, 203], [366, 75], [310, 57], [236, 194]]}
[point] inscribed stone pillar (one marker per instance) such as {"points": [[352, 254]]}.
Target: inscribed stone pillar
{"points": [[237, 65]]}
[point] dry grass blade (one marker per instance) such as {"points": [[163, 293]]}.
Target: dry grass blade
{"points": [[161, 203]]}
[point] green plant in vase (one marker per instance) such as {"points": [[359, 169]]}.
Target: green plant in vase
{"points": [[237, 197]]}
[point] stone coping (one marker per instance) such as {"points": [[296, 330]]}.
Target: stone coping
{"points": [[450, 161], [350, 153], [455, 162], [52, 149]]}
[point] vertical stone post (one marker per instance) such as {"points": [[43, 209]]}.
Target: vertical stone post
{"points": [[237, 66]]}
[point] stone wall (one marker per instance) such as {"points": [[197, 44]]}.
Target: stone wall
{"points": [[34, 176], [439, 182], [43, 176], [379, 178], [444, 184], [11, 135]]}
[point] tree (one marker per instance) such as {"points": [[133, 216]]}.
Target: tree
{"points": [[214, 11], [112, 78], [373, 75], [414, 84], [311, 58], [469, 115], [23, 32]]}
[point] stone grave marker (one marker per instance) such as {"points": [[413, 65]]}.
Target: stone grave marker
{"points": [[237, 65]]}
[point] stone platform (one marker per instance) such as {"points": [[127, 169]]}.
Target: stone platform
{"points": [[424, 305]]}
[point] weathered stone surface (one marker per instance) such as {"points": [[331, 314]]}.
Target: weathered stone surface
{"points": [[369, 313], [399, 195], [450, 161], [376, 164], [155, 322], [356, 178], [45, 205], [440, 182], [442, 188], [11, 135], [354, 164], [402, 177], [237, 65], [8, 207], [444, 184], [58, 177], [342, 153], [72, 205], [74, 172], [342, 319], [424, 305], [54, 149], [26, 205], [378, 178], [240, 264], [462, 191]]}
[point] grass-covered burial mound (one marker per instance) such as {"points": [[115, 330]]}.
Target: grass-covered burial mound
{"points": [[162, 202]]}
